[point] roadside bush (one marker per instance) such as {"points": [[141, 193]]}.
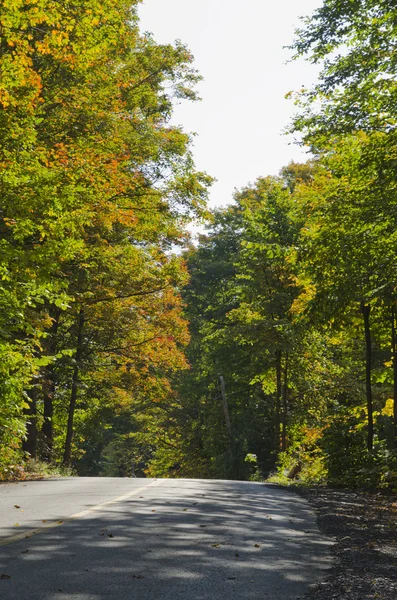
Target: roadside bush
{"points": [[304, 461], [347, 459]]}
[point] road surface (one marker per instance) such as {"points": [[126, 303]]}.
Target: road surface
{"points": [[142, 539]]}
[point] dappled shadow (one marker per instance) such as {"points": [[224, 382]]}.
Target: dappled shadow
{"points": [[365, 525], [184, 539]]}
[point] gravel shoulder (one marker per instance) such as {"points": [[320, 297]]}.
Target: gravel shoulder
{"points": [[364, 526]]}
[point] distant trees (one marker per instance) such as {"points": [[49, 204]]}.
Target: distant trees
{"points": [[311, 283], [291, 300]]}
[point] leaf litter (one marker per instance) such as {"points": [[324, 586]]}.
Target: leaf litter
{"points": [[364, 527]]}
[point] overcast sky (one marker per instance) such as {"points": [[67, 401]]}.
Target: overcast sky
{"points": [[238, 49]]}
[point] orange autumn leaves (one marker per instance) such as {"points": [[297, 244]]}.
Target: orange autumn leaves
{"points": [[96, 189]]}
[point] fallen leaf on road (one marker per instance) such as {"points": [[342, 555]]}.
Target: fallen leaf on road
{"points": [[185, 509], [110, 535], [16, 506], [5, 576], [256, 546], [215, 545], [236, 554], [154, 510], [16, 524], [203, 525]]}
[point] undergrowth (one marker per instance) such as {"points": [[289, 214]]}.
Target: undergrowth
{"points": [[34, 469]]}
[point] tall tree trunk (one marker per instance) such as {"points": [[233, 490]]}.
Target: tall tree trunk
{"points": [[49, 382], [30, 444], [285, 406], [394, 351], [279, 392], [228, 428], [75, 383], [365, 310]]}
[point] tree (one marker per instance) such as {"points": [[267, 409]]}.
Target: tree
{"points": [[239, 298], [348, 240], [354, 43], [290, 299], [90, 169]]}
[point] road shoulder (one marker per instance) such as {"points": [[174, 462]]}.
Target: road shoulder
{"points": [[364, 526]]}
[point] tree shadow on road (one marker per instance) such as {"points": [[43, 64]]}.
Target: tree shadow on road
{"points": [[198, 541]]}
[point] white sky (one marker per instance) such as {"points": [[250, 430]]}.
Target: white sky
{"points": [[238, 49]]}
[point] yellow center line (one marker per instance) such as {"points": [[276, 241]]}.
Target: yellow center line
{"points": [[83, 513]]}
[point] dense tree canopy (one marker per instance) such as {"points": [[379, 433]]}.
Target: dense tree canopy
{"points": [[271, 346], [96, 188]]}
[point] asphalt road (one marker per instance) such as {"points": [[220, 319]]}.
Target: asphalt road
{"points": [[142, 539]]}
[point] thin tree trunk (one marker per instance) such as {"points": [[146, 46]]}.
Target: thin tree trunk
{"points": [[285, 406], [278, 399], [394, 351], [48, 413], [228, 427], [49, 382], [30, 444], [365, 310], [75, 384]]}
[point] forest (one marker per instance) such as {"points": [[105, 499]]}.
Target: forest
{"points": [[267, 349]]}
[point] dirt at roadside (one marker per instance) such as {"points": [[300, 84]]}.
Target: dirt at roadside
{"points": [[364, 526]]}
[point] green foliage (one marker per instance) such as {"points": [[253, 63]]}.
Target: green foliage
{"points": [[274, 305], [255, 474], [354, 44], [348, 461], [17, 368], [97, 188], [290, 296]]}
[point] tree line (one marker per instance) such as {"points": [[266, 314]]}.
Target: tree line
{"points": [[292, 293], [270, 346], [96, 189]]}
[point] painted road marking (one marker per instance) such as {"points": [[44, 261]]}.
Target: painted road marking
{"points": [[83, 513]]}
